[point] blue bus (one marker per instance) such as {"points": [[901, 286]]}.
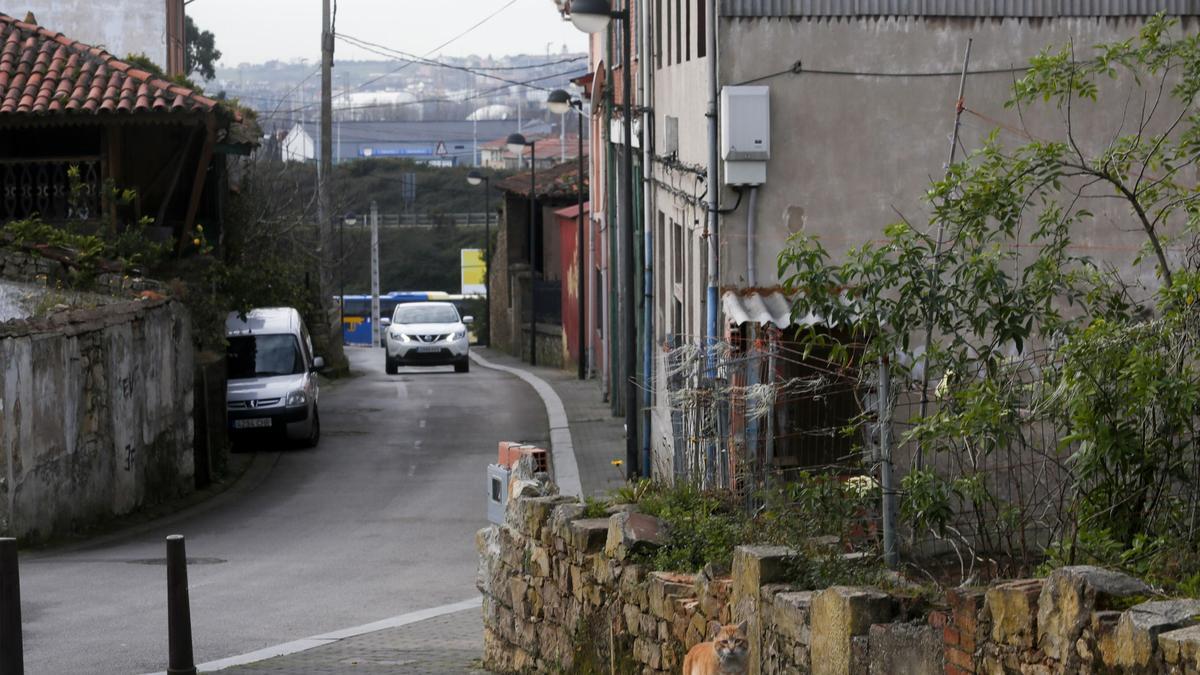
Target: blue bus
{"points": [[356, 312]]}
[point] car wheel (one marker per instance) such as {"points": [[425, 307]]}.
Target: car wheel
{"points": [[390, 367], [314, 434], [463, 366]]}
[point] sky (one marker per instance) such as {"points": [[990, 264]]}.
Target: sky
{"points": [[254, 31]]}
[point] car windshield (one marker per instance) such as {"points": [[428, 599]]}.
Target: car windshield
{"points": [[426, 314], [264, 356]]}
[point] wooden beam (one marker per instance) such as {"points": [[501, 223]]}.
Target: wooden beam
{"points": [[179, 160], [206, 155]]}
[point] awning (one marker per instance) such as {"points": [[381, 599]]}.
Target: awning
{"points": [[763, 309]]}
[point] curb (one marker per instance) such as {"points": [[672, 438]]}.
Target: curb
{"points": [[562, 448]]}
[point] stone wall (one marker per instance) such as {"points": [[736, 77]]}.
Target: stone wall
{"points": [[562, 593], [95, 414]]}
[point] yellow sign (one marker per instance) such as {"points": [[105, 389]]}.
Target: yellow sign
{"points": [[474, 272]]}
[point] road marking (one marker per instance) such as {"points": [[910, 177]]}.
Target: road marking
{"points": [[327, 638], [421, 424], [566, 469], [412, 470]]}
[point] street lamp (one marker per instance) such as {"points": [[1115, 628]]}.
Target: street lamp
{"points": [[593, 16], [560, 102], [476, 178], [516, 145]]}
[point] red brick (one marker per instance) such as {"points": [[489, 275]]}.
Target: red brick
{"points": [[950, 636], [961, 659], [937, 619]]}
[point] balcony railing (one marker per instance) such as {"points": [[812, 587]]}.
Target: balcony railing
{"points": [[43, 187]]}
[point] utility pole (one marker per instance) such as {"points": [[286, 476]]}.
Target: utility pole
{"points": [[325, 260], [376, 320]]}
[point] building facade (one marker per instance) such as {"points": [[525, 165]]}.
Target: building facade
{"points": [[862, 101]]}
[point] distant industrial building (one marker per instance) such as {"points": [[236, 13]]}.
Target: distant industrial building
{"points": [[447, 143]]}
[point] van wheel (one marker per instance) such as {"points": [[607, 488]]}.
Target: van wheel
{"points": [[314, 434]]}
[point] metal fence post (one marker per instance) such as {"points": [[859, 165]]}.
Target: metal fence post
{"points": [[12, 659], [179, 613], [885, 464]]}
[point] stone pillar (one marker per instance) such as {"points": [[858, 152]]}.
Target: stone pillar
{"points": [[839, 615], [754, 566]]}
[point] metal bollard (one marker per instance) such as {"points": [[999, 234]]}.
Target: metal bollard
{"points": [[12, 658], [179, 613]]}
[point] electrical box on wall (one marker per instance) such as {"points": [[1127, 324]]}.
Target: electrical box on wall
{"points": [[745, 134]]}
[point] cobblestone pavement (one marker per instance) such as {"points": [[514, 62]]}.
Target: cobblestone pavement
{"points": [[598, 436], [445, 645]]}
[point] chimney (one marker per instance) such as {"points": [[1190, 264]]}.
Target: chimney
{"points": [[176, 38]]}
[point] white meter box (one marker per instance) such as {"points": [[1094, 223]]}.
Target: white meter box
{"points": [[746, 124]]}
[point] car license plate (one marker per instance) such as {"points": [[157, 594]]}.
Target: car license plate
{"points": [[429, 350], [256, 423]]}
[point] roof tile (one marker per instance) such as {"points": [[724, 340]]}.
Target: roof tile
{"points": [[43, 71]]}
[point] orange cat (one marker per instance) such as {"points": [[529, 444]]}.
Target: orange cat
{"points": [[726, 653]]}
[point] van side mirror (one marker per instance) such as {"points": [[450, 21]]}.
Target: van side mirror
{"points": [[385, 322], [468, 319], [318, 364]]}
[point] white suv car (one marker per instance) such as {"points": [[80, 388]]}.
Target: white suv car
{"points": [[427, 334]]}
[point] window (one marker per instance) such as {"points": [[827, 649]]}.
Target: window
{"points": [[687, 30], [679, 31], [701, 28], [660, 275], [658, 33], [677, 263], [251, 356], [670, 35]]}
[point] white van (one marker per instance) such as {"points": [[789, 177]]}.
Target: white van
{"points": [[272, 387]]}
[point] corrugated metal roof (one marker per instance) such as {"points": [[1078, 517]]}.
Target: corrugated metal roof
{"points": [[770, 309], [962, 8]]}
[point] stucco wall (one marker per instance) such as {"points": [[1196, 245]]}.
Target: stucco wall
{"points": [[95, 415], [121, 27], [849, 152]]}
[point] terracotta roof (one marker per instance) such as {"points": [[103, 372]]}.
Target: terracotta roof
{"points": [[557, 182], [47, 73]]}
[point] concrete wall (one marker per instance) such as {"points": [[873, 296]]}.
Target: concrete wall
{"points": [[95, 415], [121, 27]]}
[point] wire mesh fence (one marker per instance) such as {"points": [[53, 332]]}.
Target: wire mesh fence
{"points": [[756, 411]]}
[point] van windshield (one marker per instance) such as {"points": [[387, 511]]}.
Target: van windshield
{"points": [[426, 314], [252, 356]]}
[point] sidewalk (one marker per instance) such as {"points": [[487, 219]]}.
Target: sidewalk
{"points": [[446, 645], [453, 643], [599, 437]]}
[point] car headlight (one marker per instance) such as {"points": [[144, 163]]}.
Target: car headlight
{"points": [[459, 334], [401, 337], [297, 398]]}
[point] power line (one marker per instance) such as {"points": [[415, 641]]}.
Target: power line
{"points": [[473, 97], [412, 58], [445, 44], [798, 68]]}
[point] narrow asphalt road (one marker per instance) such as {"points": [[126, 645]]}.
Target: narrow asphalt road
{"points": [[379, 520]]}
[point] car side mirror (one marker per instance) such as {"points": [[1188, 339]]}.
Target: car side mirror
{"points": [[318, 364], [385, 322], [468, 319]]}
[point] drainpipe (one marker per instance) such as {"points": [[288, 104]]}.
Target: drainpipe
{"points": [[714, 189], [645, 68], [751, 265]]}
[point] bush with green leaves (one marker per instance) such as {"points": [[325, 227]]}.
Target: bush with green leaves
{"points": [[1058, 397]]}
